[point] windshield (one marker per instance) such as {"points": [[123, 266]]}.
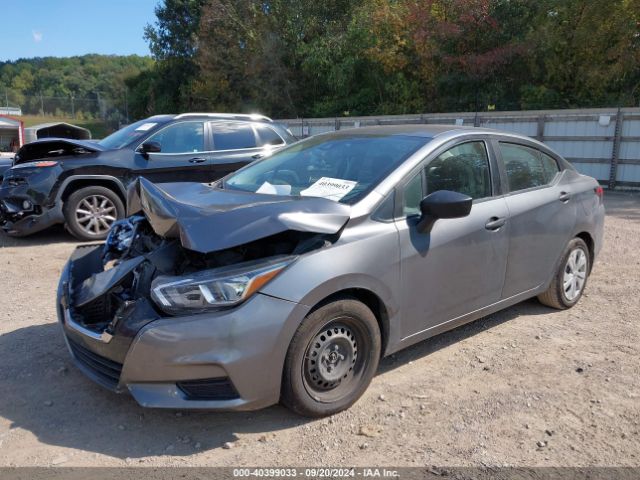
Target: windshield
{"points": [[126, 135], [341, 168]]}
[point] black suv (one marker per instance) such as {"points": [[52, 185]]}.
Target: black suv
{"points": [[83, 184]]}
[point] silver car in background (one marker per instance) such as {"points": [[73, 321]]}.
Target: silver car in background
{"points": [[289, 279]]}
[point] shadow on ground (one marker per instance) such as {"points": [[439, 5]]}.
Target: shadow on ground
{"points": [[55, 234], [43, 393]]}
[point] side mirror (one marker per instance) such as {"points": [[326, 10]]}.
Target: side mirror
{"points": [[443, 204], [150, 147]]}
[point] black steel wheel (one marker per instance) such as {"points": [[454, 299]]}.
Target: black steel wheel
{"points": [[332, 358]]}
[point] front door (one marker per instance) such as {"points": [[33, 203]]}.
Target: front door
{"points": [[459, 265], [183, 156]]}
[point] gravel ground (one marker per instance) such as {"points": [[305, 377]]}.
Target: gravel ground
{"points": [[528, 386]]}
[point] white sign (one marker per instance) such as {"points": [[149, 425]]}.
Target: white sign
{"points": [[145, 126], [270, 189], [331, 188]]}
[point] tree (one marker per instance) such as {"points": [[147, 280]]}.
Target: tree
{"points": [[587, 53], [173, 43]]}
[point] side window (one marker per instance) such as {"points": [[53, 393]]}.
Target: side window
{"points": [[268, 136], [233, 137], [550, 167], [463, 168], [184, 137], [412, 196], [524, 167]]}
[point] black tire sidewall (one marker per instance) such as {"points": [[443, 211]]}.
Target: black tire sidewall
{"points": [[573, 244], [72, 203], [294, 393]]}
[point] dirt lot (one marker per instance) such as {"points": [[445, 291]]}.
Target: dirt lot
{"points": [[527, 386]]}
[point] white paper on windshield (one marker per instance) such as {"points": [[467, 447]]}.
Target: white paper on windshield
{"points": [[145, 126], [268, 188], [331, 188]]}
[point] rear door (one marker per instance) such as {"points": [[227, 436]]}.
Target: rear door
{"points": [[459, 265], [234, 146], [542, 214], [183, 156]]}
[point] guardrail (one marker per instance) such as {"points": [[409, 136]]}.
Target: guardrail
{"points": [[601, 142]]}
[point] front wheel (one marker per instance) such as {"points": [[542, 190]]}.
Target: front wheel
{"points": [[570, 280], [91, 211], [331, 359]]}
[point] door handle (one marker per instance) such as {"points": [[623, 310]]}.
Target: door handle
{"points": [[257, 156], [495, 223], [197, 160], [564, 197]]}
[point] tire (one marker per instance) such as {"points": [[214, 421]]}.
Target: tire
{"points": [[89, 212], [572, 272], [351, 352]]}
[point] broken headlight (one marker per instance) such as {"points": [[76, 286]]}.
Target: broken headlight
{"points": [[220, 287]]}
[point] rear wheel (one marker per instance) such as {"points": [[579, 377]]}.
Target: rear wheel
{"points": [[331, 359], [91, 211], [570, 280]]}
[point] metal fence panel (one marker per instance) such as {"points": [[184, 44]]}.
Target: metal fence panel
{"points": [[628, 173], [591, 139]]}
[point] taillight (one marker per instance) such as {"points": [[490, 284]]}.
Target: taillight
{"points": [[45, 163], [599, 192]]}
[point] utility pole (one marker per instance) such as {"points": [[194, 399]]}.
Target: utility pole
{"points": [[41, 104], [73, 109]]}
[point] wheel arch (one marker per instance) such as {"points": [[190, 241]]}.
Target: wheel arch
{"points": [[75, 183], [371, 300], [588, 239]]}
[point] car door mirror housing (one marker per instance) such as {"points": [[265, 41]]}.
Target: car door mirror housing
{"points": [[443, 204], [150, 147]]}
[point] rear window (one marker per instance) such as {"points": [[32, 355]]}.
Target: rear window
{"points": [[268, 136], [233, 137]]}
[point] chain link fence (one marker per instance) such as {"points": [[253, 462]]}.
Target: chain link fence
{"points": [[106, 107]]}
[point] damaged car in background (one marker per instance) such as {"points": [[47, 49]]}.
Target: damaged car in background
{"points": [[82, 184], [288, 280]]}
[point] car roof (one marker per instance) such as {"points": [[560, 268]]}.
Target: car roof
{"points": [[421, 130], [246, 117]]}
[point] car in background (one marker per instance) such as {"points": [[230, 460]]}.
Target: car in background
{"points": [[289, 279], [83, 184]]}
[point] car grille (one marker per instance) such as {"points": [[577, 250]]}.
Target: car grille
{"points": [[106, 371], [209, 389]]}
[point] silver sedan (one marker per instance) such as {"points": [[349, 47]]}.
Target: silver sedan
{"points": [[289, 279]]}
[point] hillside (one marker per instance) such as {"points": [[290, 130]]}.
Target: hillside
{"points": [[87, 87]]}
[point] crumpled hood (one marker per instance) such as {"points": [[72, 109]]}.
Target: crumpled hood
{"points": [[53, 147], [208, 219]]}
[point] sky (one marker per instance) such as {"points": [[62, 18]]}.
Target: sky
{"points": [[64, 28]]}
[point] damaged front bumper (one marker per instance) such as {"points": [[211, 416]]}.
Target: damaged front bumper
{"points": [[226, 359], [25, 207], [17, 221]]}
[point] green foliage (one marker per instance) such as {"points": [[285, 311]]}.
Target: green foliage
{"points": [[310, 58], [289, 58], [29, 82], [172, 40]]}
